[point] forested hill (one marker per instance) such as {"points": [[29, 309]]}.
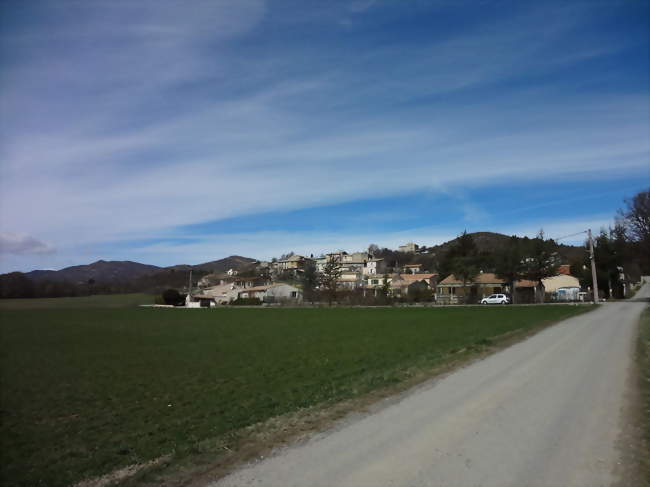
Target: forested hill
{"points": [[490, 242], [102, 270]]}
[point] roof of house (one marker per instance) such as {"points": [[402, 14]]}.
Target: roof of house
{"points": [[564, 269], [265, 288], [482, 278], [525, 283], [413, 265], [202, 296], [417, 277], [398, 283], [257, 288], [293, 258], [220, 290]]}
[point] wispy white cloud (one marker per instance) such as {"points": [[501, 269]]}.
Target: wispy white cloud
{"points": [[22, 244], [161, 116]]}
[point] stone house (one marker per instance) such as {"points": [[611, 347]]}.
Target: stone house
{"points": [[409, 248], [402, 284]]}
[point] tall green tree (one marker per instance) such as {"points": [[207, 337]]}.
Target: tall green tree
{"points": [[330, 277], [309, 280], [509, 264], [541, 261], [384, 290], [611, 254], [462, 260], [466, 269]]}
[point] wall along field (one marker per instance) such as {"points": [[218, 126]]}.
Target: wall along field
{"points": [[87, 390]]}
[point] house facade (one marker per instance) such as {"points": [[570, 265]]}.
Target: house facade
{"points": [[212, 280], [563, 287], [293, 263], [552, 284], [350, 280], [451, 290], [405, 284], [274, 293], [413, 268], [374, 267]]}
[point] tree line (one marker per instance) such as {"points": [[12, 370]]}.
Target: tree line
{"points": [[18, 285]]}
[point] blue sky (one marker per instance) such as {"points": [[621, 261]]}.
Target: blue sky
{"points": [[179, 132]]}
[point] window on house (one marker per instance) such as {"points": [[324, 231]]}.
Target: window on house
{"points": [[294, 294]]}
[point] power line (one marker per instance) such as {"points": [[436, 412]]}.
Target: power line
{"points": [[572, 235]]}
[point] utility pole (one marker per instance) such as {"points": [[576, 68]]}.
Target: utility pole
{"points": [[593, 267], [189, 288]]}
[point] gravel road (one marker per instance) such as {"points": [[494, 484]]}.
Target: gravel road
{"points": [[545, 412]]}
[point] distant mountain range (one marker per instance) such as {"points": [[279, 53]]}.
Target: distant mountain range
{"points": [[114, 270], [102, 270]]}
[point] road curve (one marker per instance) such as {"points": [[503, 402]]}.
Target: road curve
{"points": [[544, 412]]}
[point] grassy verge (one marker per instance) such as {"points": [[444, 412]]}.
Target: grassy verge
{"points": [[644, 379], [89, 390], [96, 301]]}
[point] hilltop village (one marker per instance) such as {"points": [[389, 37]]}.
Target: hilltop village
{"points": [[377, 275]]}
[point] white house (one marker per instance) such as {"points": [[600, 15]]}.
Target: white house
{"points": [[374, 267], [376, 281], [552, 284], [273, 293], [568, 294]]}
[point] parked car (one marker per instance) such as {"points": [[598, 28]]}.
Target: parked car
{"points": [[496, 299]]}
